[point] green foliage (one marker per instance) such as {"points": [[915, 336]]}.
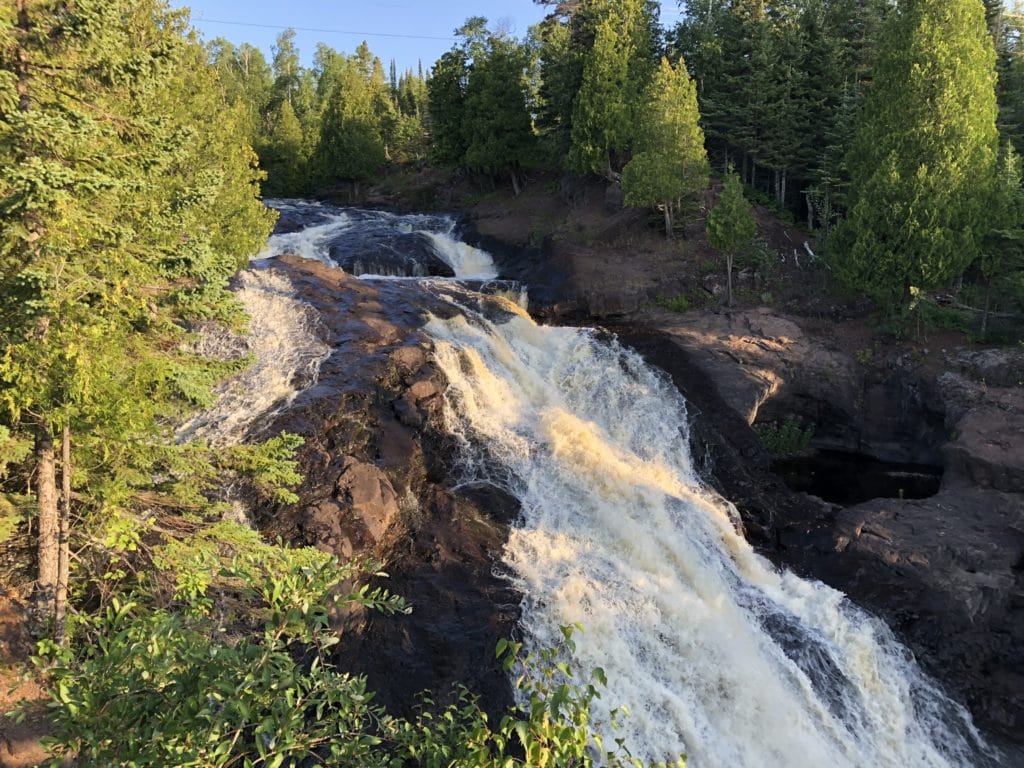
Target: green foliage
{"points": [[787, 439], [674, 303], [731, 225], [446, 89], [924, 155], [496, 123], [151, 686], [670, 164], [615, 74], [352, 130], [281, 154], [779, 84], [158, 686]]}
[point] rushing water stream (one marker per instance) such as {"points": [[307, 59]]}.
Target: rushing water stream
{"points": [[715, 652]]}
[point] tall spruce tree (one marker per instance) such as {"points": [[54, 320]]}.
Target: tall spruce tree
{"points": [[496, 128], [924, 155], [126, 202], [670, 164], [616, 71], [446, 98]]}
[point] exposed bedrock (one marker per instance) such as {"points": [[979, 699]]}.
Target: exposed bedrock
{"points": [[378, 470]]}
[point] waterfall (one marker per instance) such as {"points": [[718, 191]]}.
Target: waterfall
{"points": [[715, 652], [286, 355], [466, 261], [322, 229]]}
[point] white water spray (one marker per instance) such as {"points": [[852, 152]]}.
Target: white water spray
{"points": [[286, 357], [715, 652]]}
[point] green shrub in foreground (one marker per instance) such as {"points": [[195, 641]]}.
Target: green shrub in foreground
{"points": [[149, 686]]}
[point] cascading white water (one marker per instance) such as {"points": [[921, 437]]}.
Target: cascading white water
{"points": [[308, 242], [314, 240], [715, 652], [286, 357], [466, 261]]}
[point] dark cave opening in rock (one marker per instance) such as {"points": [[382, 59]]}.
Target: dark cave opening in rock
{"points": [[852, 478]]}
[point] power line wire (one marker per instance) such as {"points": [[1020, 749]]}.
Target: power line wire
{"points": [[315, 29]]}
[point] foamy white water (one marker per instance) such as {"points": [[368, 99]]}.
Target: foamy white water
{"points": [[314, 241], [286, 356], [466, 261], [715, 652]]}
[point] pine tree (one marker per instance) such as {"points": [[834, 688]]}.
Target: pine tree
{"points": [[352, 146], [731, 226], [446, 98], [1002, 258], [671, 164], [282, 154], [924, 155], [126, 202], [616, 72], [497, 130]]}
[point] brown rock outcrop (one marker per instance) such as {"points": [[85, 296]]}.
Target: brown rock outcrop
{"points": [[377, 467]]}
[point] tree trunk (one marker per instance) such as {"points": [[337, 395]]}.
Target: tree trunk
{"points": [[668, 221], [984, 314], [49, 522], [810, 211], [728, 279], [64, 532], [782, 191], [515, 182]]}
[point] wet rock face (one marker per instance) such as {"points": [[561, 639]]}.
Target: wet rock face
{"points": [[404, 255], [945, 573], [376, 463]]}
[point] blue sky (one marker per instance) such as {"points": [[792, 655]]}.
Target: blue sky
{"points": [[404, 30]]}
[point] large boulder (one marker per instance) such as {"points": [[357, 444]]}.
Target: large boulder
{"points": [[410, 254], [377, 465]]}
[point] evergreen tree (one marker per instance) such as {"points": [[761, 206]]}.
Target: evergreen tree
{"points": [[126, 202], [924, 155], [671, 164], [1002, 258], [616, 72], [497, 130], [351, 144], [282, 154], [446, 98], [731, 226]]}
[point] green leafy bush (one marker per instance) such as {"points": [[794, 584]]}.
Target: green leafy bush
{"points": [[183, 686], [786, 439], [679, 303]]}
